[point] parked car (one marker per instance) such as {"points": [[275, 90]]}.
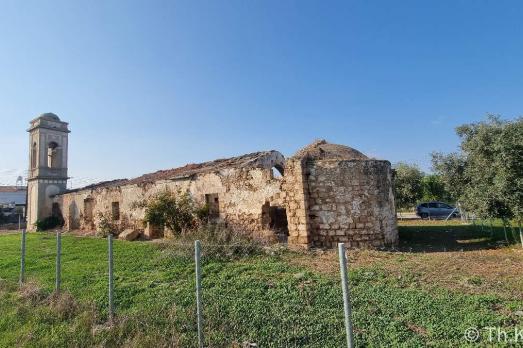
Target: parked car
{"points": [[435, 210]]}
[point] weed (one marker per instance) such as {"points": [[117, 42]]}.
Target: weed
{"points": [[218, 242], [32, 293]]}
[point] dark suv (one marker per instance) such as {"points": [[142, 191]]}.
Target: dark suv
{"points": [[435, 210]]}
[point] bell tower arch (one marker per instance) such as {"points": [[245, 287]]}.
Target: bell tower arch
{"points": [[48, 144]]}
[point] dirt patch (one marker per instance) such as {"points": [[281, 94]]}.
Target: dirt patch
{"points": [[493, 271]]}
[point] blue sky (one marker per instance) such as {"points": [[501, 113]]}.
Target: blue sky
{"points": [[150, 85]]}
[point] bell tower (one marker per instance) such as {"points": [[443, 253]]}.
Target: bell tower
{"points": [[48, 142]]}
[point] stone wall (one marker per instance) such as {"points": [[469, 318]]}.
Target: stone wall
{"points": [[317, 202], [242, 193], [296, 191], [351, 201]]}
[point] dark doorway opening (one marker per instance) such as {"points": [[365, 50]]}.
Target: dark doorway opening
{"points": [[213, 202], [275, 218], [74, 218], [115, 210], [88, 210], [56, 212]]}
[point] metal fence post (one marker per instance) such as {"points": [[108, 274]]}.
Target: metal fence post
{"points": [[111, 278], [22, 259], [58, 261], [346, 298], [197, 256]]}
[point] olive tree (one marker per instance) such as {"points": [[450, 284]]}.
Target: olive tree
{"points": [[486, 175], [433, 189], [407, 185]]}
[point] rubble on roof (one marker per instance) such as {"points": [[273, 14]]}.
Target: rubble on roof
{"points": [[103, 184], [251, 160]]}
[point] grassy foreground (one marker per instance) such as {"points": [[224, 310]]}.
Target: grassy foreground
{"points": [[268, 299]]}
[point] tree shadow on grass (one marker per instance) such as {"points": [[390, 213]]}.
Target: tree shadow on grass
{"points": [[452, 237]]}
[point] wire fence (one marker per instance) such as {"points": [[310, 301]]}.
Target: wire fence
{"points": [[200, 295]]}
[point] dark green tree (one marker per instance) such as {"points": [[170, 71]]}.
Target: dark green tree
{"points": [[451, 170], [509, 178], [407, 185], [486, 176], [434, 189]]}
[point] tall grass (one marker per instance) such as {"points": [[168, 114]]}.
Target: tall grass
{"points": [[218, 243]]}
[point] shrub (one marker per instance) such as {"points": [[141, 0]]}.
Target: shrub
{"points": [[202, 213], [176, 211], [48, 223], [105, 225], [189, 222]]}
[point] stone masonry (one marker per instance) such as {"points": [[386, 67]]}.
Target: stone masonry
{"points": [[322, 195], [351, 201], [238, 188], [336, 194]]}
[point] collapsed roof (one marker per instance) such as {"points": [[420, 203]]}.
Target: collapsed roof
{"points": [[319, 149], [262, 159]]}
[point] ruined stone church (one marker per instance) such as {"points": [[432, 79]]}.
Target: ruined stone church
{"points": [[324, 194]]}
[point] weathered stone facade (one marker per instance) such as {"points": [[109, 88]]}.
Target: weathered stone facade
{"points": [[323, 195], [296, 190], [351, 201], [239, 188], [48, 147], [336, 194]]}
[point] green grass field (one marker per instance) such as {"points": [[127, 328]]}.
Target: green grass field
{"points": [[267, 298]]}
